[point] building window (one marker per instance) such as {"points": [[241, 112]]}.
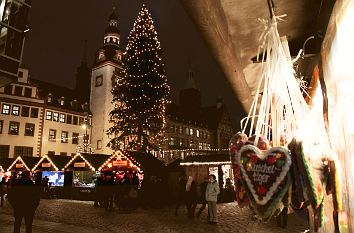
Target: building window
{"points": [[99, 144], [49, 115], [187, 131], [20, 74], [15, 110], [52, 134], [190, 131], [51, 152], [25, 111], [75, 138], [64, 136], [18, 90], [62, 102], [29, 129], [5, 109], [28, 92], [1, 125], [197, 132], [34, 112], [75, 120], [99, 80], [69, 119], [172, 141], [49, 99], [8, 90], [14, 127], [63, 154], [23, 151], [55, 116], [62, 118], [4, 151]]}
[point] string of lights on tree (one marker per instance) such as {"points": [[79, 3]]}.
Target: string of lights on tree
{"points": [[140, 90]]}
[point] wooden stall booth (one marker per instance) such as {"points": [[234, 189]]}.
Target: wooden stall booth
{"points": [[80, 173], [201, 166], [49, 171]]}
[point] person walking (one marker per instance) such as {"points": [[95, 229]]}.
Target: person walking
{"points": [[191, 196], [211, 196], [24, 197]]}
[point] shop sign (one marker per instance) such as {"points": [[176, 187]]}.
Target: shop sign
{"points": [[19, 165], [46, 165], [79, 164], [120, 163]]}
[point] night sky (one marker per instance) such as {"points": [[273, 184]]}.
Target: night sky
{"points": [[54, 47]]}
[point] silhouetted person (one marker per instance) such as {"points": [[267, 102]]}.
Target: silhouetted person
{"points": [[3, 186], [229, 191], [181, 196], [202, 199], [24, 198], [191, 196]]}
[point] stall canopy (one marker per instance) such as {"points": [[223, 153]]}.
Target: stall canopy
{"points": [[52, 163], [18, 165], [149, 163], [86, 161], [5, 163], [30, 161], [209, 159], [120, 160]]}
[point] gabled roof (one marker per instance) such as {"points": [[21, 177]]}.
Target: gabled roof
{"points": [[30, 161], [18, 159], [207, 159], [57, 161], [6, 162], [208, 117], [149, 163], [96, 160]]}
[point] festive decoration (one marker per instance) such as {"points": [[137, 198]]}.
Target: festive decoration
{"points": [[118, 155], [236, 142], [205, 163], [140, 90], [41, 160], [266, 177], [18, 159], [83, 158]]}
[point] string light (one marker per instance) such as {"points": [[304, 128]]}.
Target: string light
{"points": [[16, 160], [41, 160], [203, 163], [83, 158], [119, 154], [140, 90], [60, 139]]}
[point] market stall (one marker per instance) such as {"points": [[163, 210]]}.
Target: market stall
{"points": [[80, 173], [49, 172]]}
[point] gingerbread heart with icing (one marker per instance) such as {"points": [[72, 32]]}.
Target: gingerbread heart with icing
{"points": [[264, 172]]}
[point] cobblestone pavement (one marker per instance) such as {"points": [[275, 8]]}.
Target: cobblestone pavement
{"points": [[61, 216]]}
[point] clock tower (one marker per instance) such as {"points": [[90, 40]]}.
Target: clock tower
{"points": [[108, 59]]}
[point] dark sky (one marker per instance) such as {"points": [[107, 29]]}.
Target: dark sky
{"points": [[54, 47]]}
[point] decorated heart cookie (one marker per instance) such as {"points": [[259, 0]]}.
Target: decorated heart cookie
{"points": [[266, 175]]}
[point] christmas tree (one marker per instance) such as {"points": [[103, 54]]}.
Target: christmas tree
{"points": [[140, 90]]}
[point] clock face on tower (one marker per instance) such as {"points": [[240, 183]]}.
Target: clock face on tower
{"points": [[99, 81]]}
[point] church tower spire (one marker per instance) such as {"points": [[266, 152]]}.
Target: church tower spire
{"points": [[83, 77]]}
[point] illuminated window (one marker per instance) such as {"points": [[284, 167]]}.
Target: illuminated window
{"points": [[49, 115], [29, 129], [62, 118], [187, 131], [197, 133], [55, 116], [172, 141], [5, 109], [64, 136], [52, 134], [191, 131], [14, 128], [15, 110]]}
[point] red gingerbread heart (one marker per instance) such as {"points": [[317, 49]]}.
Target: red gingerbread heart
{"points": [[264, 172]]}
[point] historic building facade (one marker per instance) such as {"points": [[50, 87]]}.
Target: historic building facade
{"points": [[39, 118]]}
